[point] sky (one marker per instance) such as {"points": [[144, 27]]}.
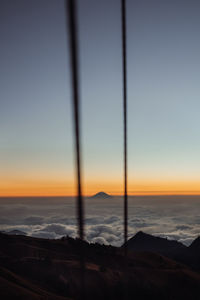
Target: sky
{"points": [[36, 132]]}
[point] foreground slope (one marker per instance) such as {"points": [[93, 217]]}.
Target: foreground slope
{"points": [[32, 268], [170, 248], [147, 242]]}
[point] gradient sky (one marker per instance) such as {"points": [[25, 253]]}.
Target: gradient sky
{"points": [[36, 144]]}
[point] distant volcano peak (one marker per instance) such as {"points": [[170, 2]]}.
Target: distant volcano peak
{"points": [[101, 195]]}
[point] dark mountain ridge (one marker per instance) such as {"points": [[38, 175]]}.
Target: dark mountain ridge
{"points": [[169, 248], [14, 232], [195, 245], [33, 268], [146, 242]]}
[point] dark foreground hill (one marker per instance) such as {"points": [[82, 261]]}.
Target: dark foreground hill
{"points": [[32, 268], [146, 242], [169, 248]]}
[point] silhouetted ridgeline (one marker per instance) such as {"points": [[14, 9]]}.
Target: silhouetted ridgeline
{"points": [[33, 268], [169, 248]]}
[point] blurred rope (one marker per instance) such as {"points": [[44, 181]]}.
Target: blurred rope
{"points": [[124, 66], [73, 45], [71, 12]]}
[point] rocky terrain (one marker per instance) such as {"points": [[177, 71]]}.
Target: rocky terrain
{"points": [[33, 268]]}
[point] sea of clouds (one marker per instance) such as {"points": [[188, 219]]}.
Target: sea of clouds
{"points": [[172, 217]]}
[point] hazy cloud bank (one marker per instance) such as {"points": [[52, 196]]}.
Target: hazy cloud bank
{"points": [[104, 223]]}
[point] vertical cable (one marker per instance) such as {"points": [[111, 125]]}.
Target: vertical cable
{"points": [[71, 9], [124, 66], [73, 44]]}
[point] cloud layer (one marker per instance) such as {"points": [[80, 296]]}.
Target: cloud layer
{"points": [[53, 218]]}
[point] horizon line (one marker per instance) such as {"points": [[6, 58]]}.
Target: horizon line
{"points": [[137, 194]]}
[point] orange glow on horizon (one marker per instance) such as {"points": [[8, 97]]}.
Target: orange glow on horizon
{"points": [[50, 188]]}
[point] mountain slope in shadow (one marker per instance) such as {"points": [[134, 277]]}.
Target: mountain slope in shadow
{"points": [[170, 248], [146, 242], [33, 268], [195, 246]]}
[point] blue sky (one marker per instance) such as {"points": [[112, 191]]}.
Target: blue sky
{"points": [[36, 142]]}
